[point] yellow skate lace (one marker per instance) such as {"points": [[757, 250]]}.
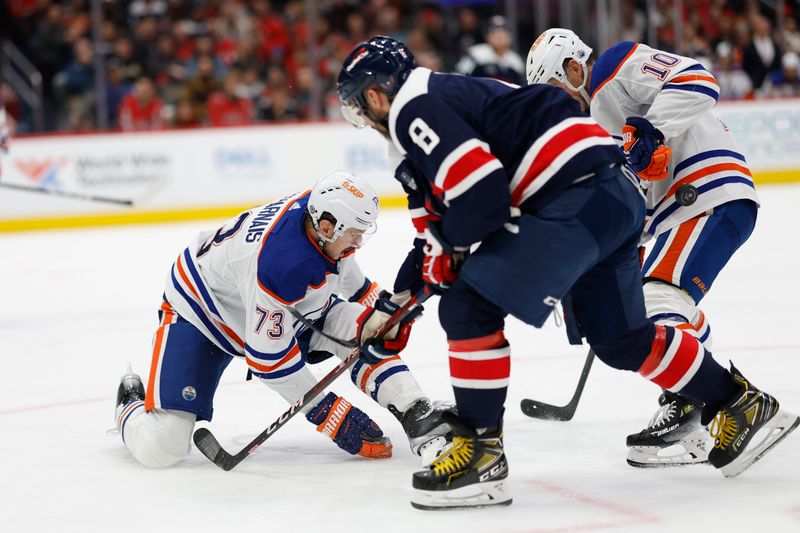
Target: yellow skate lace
{"points": [[723, 429], [456, 458]]}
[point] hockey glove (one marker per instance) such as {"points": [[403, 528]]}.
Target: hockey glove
{"points": [[644, 145], [374, 350], [349, 427], [442, 262]]}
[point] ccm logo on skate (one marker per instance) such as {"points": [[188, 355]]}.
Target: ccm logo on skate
{"points": [[494, 471], [741, 438]]}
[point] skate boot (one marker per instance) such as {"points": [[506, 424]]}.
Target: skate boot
{"points": [[130, 396], [736, 423], [674, 436], [469, 473], [427, 430]]}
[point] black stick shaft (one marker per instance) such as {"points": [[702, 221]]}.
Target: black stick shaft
{"points": [[546, 411], [67, 194]]}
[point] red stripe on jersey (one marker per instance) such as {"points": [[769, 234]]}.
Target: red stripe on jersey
{"points": [[659, 348], [477, 344], [688, 351], [466, 165], [480, 369], [552, 149], [421, 223]]}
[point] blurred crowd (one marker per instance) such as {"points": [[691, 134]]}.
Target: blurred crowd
{"points": [[185, 63]]}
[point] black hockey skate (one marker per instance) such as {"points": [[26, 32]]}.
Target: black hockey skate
{"points": [[427, 430], [470, 473], [130, 390], [736, 423], [674, 436]]}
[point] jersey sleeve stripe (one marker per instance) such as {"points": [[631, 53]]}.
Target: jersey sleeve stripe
{"points": [[293, 351], [547, 159], [694, 77], [692, 88], [477, 175], [264, 356], [603, 69], [280, 372], [460, 162]]}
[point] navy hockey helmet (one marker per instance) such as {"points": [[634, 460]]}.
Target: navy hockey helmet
{"points": [[381, 61]]}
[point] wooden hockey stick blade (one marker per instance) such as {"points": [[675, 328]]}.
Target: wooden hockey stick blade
{"points": [[209, 445], [546, 411], [67, 194]]}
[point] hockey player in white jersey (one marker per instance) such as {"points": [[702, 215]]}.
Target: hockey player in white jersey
{"points": [[701, 201], [231, 294]]}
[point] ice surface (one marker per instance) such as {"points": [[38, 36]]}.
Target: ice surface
{"points": [[78, 305]]}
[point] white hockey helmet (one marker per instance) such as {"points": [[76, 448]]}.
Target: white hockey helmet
{"points": [[548, 53], [348, 199]]}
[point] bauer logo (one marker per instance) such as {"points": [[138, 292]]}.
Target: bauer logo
{"points": [[189, 394]]}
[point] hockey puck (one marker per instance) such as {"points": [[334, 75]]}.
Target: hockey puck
{"points": [[686, 194]]}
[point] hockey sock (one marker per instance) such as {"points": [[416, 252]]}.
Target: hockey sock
{"points": [[479, 372], [679, 363], [387, 382]]}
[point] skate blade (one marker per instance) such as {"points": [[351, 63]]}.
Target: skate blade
{"points": [[487, 494], [683, 454], [778, 429]]}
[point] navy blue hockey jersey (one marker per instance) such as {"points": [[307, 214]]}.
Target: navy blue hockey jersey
{"points": [[484, 145]]}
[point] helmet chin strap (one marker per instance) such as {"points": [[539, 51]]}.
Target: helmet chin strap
{"points": [[581, 89]]}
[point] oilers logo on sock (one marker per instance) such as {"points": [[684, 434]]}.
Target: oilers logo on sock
{"points": [[189, 394]]}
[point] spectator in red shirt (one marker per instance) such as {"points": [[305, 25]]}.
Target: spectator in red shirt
{"points": [[225, 108], [142, 109]]}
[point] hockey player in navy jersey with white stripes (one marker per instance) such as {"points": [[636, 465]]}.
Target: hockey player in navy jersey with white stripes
{"points": [[527, 202], [231, 294], [701, 200]]}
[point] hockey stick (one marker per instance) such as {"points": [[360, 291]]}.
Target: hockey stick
{"points": [[311, 325], [208, 444], [545, 411], [67, 194]]}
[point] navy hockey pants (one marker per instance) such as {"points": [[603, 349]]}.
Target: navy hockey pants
{"points": [[582, 243]]}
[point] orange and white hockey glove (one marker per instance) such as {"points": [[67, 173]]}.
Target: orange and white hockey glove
{"points": [[644, 144]]}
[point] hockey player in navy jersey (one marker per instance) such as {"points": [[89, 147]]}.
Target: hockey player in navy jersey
{"points": [[231, 294], [524, 201], [701, 200]]}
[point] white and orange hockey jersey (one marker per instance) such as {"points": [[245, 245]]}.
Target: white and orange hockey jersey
{"points": [[676, 94], [237, 285]]}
